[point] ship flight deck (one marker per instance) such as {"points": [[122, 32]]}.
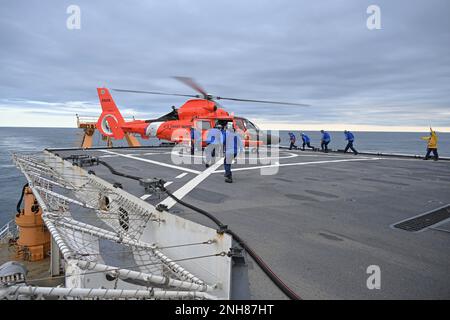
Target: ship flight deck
{"points": [[319, 222]]}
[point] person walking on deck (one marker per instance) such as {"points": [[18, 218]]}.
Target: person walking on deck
{"points": [[431, 145], [350, 138], [232, 146], [214, 141], [292, 141], [326, 139], [306, 142], [196, 143]]}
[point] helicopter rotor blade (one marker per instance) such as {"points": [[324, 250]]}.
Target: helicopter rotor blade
{"points": [[264, 101], [192, 84], [204, 95], [158, 93]]}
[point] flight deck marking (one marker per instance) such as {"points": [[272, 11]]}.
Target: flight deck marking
{"points": [[317, 153], [152, 153], [108, 156], [152, 161], [145, 196], [327, 155], [299, 164], [181, 175], [290, 155], [188, 187], [168, 183]]}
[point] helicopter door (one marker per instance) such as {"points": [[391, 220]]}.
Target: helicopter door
{"points": [[203, 125]]}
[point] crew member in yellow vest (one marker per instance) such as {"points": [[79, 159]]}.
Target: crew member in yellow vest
{"points": [[432, 145]]}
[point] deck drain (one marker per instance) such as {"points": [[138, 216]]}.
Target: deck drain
{"points": [[425, 220]]}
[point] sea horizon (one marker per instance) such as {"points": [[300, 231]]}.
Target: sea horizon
{"points": [[317, 130]]}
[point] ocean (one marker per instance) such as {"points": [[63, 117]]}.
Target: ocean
{"points": [[37, 139]]}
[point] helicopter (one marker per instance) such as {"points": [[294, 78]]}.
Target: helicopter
{"points": [[201, 112]]}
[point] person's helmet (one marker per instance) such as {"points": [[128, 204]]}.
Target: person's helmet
{"points": [[345, 131], [322, 131]]}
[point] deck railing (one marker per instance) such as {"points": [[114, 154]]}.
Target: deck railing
{"points": [[8, 231]]}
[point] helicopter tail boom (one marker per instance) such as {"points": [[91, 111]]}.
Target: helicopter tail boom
{"points": [[110, 121]]}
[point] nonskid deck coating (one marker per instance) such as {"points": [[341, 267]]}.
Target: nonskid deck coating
{"points": [[320, 221]]}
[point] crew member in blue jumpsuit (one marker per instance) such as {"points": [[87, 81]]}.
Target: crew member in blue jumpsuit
{"points": [[195, 140], [232, 145], [306, 142], [350, 139], [292, 141], [326, 138], [214, 141]]}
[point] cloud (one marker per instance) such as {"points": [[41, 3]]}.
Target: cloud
{"points": [[303, 51]]}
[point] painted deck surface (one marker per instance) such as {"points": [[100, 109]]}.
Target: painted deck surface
{"points": [[319, 222]]}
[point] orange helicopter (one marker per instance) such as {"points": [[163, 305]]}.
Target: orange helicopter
{"points": [[202, 113]]}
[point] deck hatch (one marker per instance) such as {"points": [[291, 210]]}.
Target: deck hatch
{"points": [[425, 220]]}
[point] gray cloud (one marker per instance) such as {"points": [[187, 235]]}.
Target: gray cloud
{"points": [[315, 52]]}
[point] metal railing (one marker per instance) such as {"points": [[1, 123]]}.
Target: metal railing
{"points": [[8, 231]]}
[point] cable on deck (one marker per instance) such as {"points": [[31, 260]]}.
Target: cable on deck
{"points": [[222, 228]]}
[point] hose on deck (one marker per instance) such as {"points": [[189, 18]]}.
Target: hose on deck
{"points": [[224, 228], [19, 204]]}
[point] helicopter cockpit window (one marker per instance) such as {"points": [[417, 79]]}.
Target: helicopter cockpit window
{"points": [[203, 125], [240, 124], [223, 123], [249, 125]]}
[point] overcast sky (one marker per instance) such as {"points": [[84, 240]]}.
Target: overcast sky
{"points": [[315, 52]]}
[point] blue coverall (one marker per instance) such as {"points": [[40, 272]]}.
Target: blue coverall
{"points": [[306, 141], [326, 138], [350, 138], [232, 144]]}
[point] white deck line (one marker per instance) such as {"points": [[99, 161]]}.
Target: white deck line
{"points": [[108, 156], [145, 196], [290, 155], [151, 153], [152, 161], [168, 183], [188, 187], [181, 175], [299, 164]]}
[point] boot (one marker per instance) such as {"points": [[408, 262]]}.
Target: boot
{"points": [[228, 179]]}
